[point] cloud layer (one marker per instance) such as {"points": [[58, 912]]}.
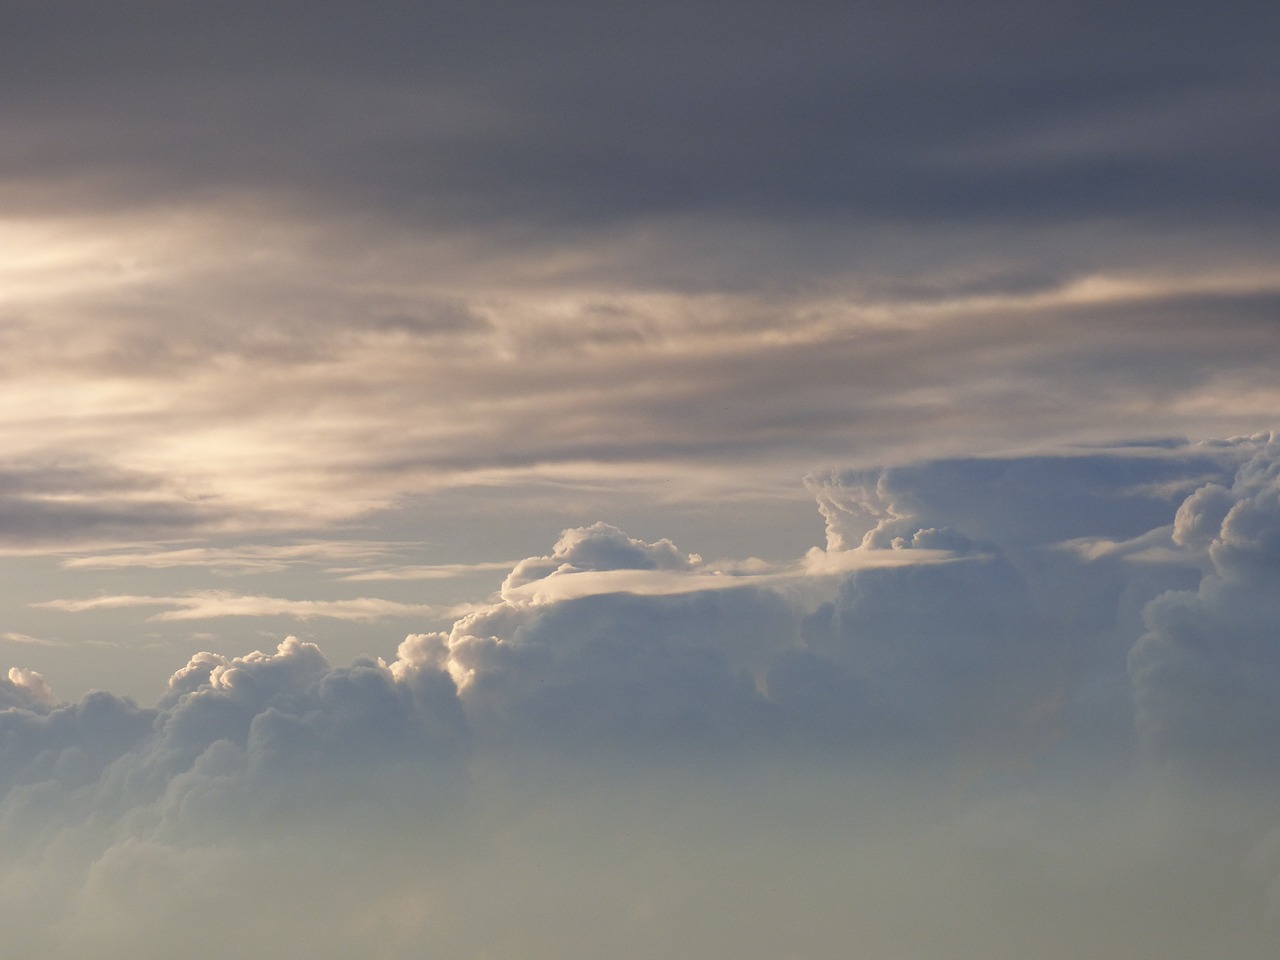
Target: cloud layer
{"points": [[702, 732], [262, 277]]}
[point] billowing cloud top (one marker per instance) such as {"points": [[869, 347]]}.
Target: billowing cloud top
{"points": [[1002, 653], [599, 547], [948, 607], [963, 666], [1207, 672]]}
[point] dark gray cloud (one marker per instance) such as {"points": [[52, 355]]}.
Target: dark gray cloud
{"points": [[586, 113], [84, 501], [316, 260]]}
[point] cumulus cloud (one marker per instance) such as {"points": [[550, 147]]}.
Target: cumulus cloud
{"points": [[105, 806], [956, 618], [1205, 671], [932, 655], [1019, 501], [230, 744], [601, 559], [1020, 638], [670, 673], [599, 547], [25, 688], [291, 707], [639, 735], [646, 652]]}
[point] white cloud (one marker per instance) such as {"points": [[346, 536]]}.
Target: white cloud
{"points": [[25, 688], [599, 547], [601, 559], [578, 738], [1206, 674], [1020, 501], [433, 571], [249, 558], [28, 640], [205, 604]]}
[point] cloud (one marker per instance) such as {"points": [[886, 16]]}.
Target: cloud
{"points": [[600, 547], [26, 688], [928, 656], [51, 750], [29, 640], [562, 119], [957, 620], [1203, 673], [613, 643], [467, 280], [205, 604], [601, 559], [1017, 645], [611, 741], [48, 504], [249, 313], [249, 558], [430, 571], [602, 382], [229, 731], [255, 772], [291, 707], [1029, 501]]}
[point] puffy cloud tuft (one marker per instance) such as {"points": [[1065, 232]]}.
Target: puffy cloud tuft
{"points": [[1018, 502], [1199, 519], [1206, 674], [599, 547], [27, 689], [293, 704]]}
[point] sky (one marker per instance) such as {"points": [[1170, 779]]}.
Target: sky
{"points": [[560, 480]]}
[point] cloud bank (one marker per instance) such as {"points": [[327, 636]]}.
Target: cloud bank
{"points": [[260, 278], [617, 752]]}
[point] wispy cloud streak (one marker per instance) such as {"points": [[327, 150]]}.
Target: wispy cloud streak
{"points": [[247, 558], [208, 604], [434, 571]]}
